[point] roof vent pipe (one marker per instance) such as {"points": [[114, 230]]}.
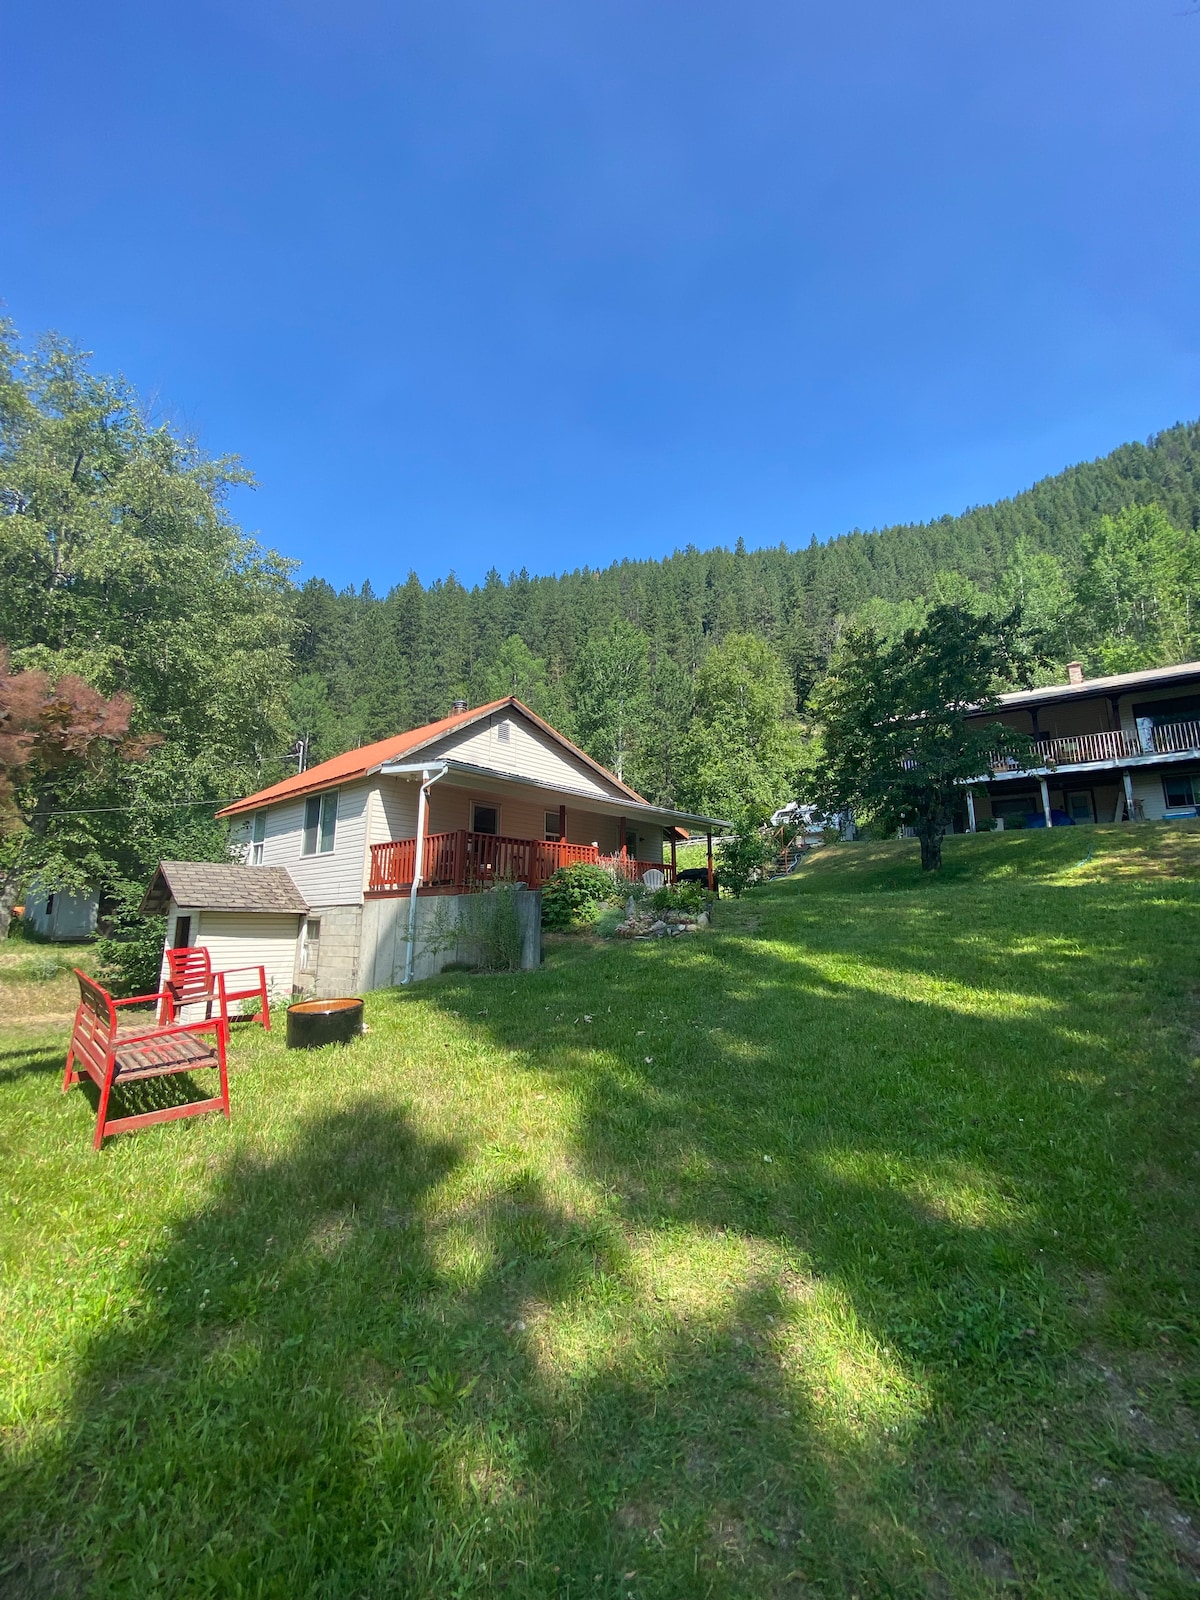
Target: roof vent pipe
{"points": [[1074, 671], [458, 708]]}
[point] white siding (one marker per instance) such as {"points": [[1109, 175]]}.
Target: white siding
{"points": [[528, 753], [73, 916], [333, 879], [394, 813], [1148, 788], [251, 939], [241, 939]]}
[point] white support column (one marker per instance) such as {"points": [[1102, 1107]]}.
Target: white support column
{"points": [[1046, 801], [1128, 777], [970, 811]]}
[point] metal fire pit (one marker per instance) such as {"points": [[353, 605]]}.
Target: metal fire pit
{"points": [[311, 1023]]}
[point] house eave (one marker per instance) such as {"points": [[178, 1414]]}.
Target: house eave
{"points": [[618, 805]]}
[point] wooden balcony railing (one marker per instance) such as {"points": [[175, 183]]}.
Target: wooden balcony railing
{"points": [[1075, 749], [463, 862], [1170, 737]]}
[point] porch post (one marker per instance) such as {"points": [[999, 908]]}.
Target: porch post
{"points": [[673, 855], [621, 825], [1046, 801], [970, 811], [562, 832], [1128, 777], [708, 836]]}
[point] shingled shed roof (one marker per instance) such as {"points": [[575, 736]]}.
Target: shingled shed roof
{"points": [[222, 886]]}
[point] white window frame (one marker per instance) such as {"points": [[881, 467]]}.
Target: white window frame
{"points": [[323, 830], [310, 945], [258, 837], [491, 805], [552, 819]]}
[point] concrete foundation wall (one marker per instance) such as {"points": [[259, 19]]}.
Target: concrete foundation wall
{"points": [[339, 957], [441, 938]]}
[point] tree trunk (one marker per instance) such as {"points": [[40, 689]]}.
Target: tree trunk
{"points": [[10, 884], [931, 835]]}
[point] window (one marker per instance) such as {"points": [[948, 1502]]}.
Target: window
{"points": [[553, 829], [320, 821], [258, 834], [631, 843], [310, 944], [49, 905], [485, 819], [1179, 789], [1080, 806]]}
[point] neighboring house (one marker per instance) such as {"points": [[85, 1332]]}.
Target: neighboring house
{"points": [[62, 914], [1124, 747], [484, 795]]}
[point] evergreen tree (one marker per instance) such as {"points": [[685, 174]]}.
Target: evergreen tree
{"points": [[610, 693]]}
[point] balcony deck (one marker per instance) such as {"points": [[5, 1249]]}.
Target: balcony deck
{"points": [[1110, 748], [463, 862]]}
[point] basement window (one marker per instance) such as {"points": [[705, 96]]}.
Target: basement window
{"points": [[310, 944]]}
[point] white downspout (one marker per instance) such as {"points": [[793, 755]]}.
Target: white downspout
{"points": [[427, 783]]}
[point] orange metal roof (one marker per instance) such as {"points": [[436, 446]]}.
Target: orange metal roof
{"points": [[357, 763]]}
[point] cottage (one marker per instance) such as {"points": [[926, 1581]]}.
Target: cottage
{"points": [[381, 844], [62, 914], [1121, 747]]}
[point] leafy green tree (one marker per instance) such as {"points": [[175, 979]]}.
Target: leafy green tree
{"points": [[1137, 593], [897, 745], [611, 695], [744, 856], [119, 565], [743, 744], [1035, 585], [53, 731]]}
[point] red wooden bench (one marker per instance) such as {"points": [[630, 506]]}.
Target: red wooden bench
{"points": [[113, 1055], [191, 981]]}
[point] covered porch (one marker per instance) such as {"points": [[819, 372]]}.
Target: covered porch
{"points": [[459, 862], [469, 828]]}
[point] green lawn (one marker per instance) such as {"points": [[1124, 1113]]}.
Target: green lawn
{"points": [[847, 1250]]}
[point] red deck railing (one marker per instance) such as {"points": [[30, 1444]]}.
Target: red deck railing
{"points": [[465, 861]]}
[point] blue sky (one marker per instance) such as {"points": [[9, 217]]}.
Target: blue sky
{"points": [[547, 284]]}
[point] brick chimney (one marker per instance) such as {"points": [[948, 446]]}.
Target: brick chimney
{"points": [[1074, 671]]}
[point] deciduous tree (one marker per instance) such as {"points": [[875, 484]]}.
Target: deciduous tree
{"points": [[53, 731], [743, 744], [897, 745]]}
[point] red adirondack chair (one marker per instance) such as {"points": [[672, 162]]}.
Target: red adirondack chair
{"points": [[191, 981], [112, 1056]]}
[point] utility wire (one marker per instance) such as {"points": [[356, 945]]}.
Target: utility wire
{"points": [[159, 805]]}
